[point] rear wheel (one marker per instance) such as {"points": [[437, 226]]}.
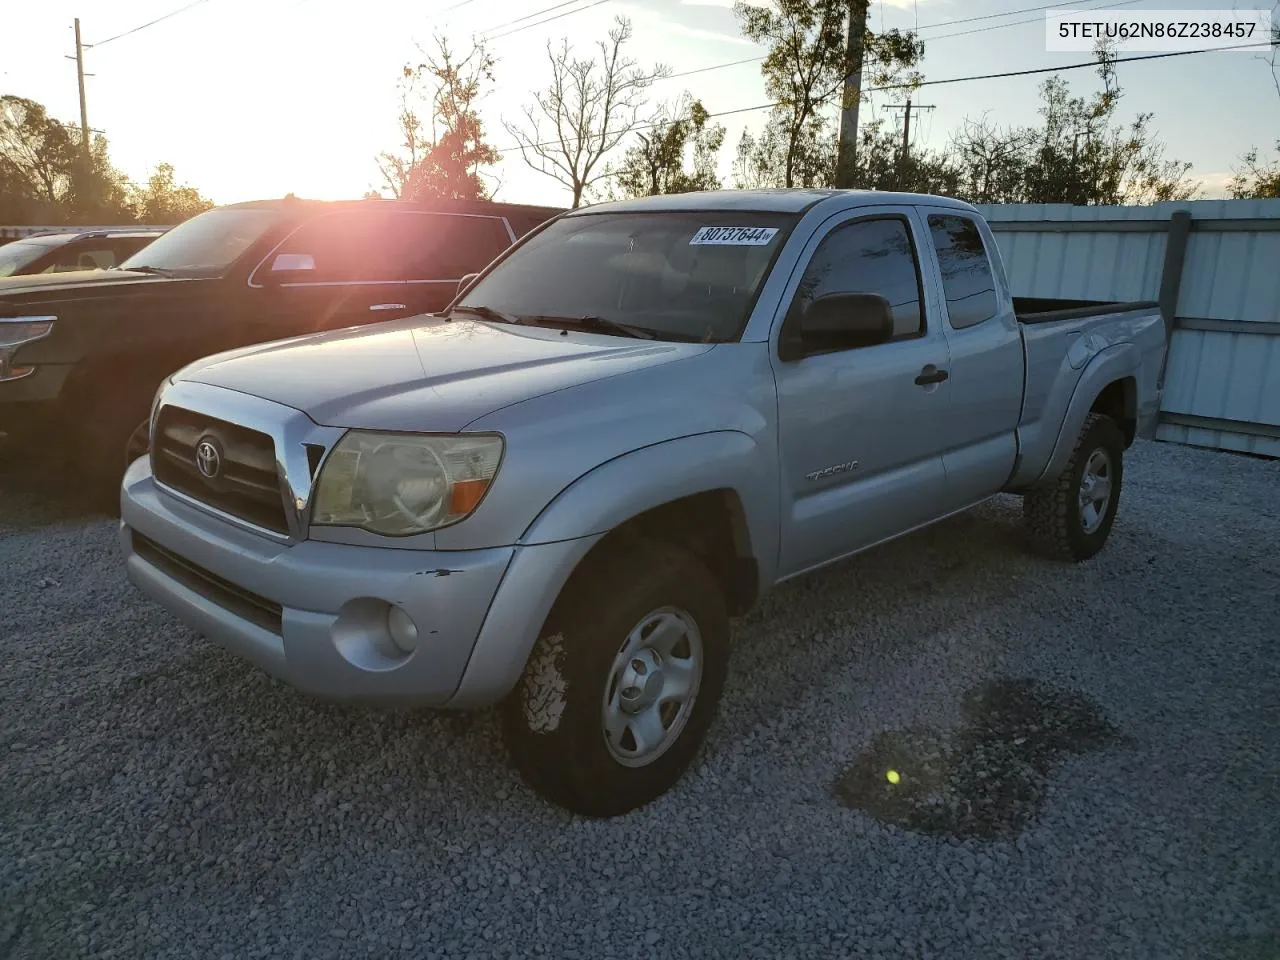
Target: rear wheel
{"points": [[1071, 518], [623, 683]]}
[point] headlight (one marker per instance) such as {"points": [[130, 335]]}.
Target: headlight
{"points": [[14, 333], [401, 483]]}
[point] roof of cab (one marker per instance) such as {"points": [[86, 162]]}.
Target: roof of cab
{"points": [[781, 200], [428, 206], [66, 236]]}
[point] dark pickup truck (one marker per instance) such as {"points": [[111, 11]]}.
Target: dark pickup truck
{"points": [[82, 353]]}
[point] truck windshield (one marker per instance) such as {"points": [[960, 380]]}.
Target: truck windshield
{"points": [[204, 246], [674, 275]]}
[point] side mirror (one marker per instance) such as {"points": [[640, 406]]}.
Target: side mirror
{"points": [[465, 282], [839, 321], [289, 267]]}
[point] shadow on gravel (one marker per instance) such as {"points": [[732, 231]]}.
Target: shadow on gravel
{"points": [[987, 779], [33, 495]]}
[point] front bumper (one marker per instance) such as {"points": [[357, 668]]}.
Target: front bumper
{"points": [[314, 614]]}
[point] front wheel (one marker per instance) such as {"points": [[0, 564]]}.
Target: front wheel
{"points": [[1070, 518], [624, 681]]}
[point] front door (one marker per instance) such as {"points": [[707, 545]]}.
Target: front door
{"points": [[337, 270], [861, 431]]}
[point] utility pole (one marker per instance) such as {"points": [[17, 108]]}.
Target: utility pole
{"points": [[84, 188], [1075, 143], [84, 112], [1075, 191], [847, 152], [906, 125]]}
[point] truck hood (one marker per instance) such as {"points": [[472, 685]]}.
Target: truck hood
{"points": [[426, 373], [74, 280], [20, 295]]}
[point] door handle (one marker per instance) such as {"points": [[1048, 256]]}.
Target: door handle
{"points": [[931, 374], [388, 306]]}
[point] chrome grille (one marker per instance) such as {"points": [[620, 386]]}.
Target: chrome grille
{"points": [[245, 482]]}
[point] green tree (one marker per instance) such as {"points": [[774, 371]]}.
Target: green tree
{"points": [[163, 201], [677, 154], [880, 164], [37, 155], [1256, 179], [44, 173], [1081, 155], [805, 72], [445, 156]]}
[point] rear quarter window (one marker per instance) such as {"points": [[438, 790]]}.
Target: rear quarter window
{"points": [[967, 282], [440, 246]]}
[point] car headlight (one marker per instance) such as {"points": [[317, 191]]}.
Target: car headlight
{"points": [[14, 333], [399, 484]]}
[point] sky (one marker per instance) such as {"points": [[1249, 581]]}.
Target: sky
{"points": [[250, 99]]}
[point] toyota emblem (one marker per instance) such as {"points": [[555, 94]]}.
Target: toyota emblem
{"points": [[208, 458]]}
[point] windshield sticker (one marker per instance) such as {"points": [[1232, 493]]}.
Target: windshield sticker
{"points": [[734, 236]]}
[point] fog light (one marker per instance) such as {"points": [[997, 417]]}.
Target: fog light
{"points": [[402, 629]]}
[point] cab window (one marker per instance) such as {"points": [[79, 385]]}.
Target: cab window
{"points": [[874, 255], [966, 270]]}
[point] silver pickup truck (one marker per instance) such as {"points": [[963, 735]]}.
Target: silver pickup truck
{"points": [[627, 429]]}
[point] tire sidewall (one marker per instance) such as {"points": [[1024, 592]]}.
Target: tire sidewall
{"points": [[569, 758], [1102, 434]]}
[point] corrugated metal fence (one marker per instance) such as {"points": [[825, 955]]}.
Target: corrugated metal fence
{"points": [[1214, 265]]}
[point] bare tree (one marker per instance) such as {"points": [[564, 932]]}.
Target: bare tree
{"points": [[992, 161], [590, 106]]}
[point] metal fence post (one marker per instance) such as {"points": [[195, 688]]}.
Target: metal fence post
{"points": [[1175, 253]]}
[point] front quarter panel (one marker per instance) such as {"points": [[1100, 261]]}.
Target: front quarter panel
{"points": [[626, 487], [554, 440]]}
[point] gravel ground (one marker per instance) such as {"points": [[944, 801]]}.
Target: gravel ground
{"points": [[162, 799]]}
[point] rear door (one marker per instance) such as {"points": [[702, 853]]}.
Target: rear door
{"points": [[442, 248], [861, 431], [986, 361]]}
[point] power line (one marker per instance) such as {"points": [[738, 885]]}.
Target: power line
{"points": [[149, 23], [932, 26], [527, 16], [530, 26], [900, 86], [1015, 23], [1007, 13]]}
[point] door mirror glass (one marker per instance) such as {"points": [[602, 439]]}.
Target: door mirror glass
{"points": [[291, 267], [845, 321], [293, 264], [466, 282]]}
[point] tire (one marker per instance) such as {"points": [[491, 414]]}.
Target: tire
{"points": [[1057, 516], [607, 654]]}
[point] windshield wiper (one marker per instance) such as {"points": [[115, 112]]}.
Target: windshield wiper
{"points": [[159, 272], [486, 313], [603, 325]]}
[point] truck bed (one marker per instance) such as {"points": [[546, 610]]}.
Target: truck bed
{"points": [[1049, 309], [1059, 339]]}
